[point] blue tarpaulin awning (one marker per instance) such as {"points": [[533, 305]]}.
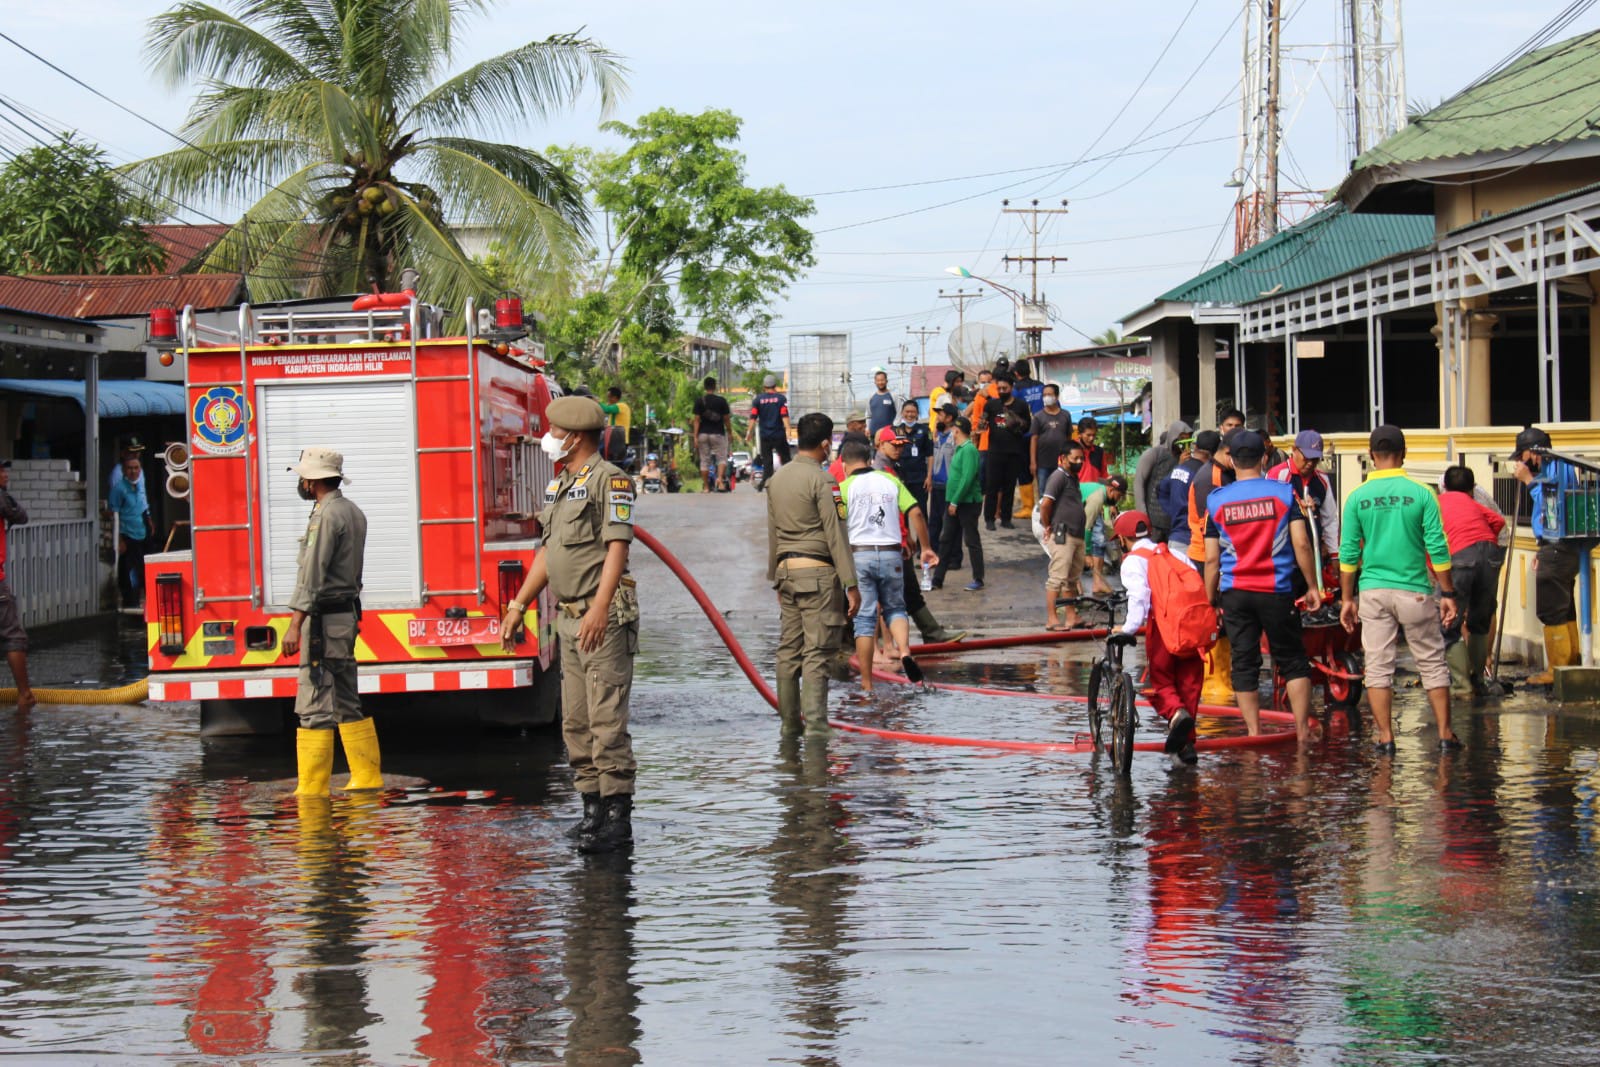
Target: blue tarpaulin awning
{"points": [[120, 398]]}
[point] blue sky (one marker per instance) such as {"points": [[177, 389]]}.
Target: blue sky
{"points": [[839, 97]]}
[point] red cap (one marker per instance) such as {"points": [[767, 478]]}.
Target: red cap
{"points": [[1132, 524], [889, 433]]}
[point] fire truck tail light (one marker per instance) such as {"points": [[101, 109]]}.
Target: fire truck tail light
{"points": [[169, 614], [511, 574]]}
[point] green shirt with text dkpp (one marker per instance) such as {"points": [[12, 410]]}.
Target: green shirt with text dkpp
{"points": [[1391, 531]]}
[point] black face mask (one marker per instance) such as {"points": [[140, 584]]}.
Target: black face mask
{"points": [[305, 490], [1074, 468]]}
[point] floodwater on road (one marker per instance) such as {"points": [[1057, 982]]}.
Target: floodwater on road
{"points": [[853, 901]]}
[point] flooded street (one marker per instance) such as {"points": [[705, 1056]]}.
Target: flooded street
{"points": [[854, 902]]}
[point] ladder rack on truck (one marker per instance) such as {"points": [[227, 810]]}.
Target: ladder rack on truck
{"points": [[440, 438]]}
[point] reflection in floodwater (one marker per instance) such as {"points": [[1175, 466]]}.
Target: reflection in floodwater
{"points": [[602, 996], [812, 859], [847, 901]]}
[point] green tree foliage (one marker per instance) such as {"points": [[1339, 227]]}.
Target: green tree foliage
{"points": [[678, 201], [334, 120], [63, 210], [681, 238]]}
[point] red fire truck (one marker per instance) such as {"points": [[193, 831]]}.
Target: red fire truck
{"points": [[440, 438]]}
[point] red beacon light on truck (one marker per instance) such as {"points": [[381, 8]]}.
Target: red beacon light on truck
{"points": [[163, 328], [508, 321]]}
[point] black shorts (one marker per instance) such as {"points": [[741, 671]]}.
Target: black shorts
{"points": [[13, 638], [1245, 617]]}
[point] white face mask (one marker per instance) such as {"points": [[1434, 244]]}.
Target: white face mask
{"points": [[1051, 401], [556, 447]]}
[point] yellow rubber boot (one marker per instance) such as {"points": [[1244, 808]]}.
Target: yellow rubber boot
{"points": [[1218, 687], [1024, 508], [314, 752], [361, 752], [1559, 648], [1574, 645]]}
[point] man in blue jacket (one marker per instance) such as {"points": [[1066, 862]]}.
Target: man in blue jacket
{"points": [[1556, 566]]}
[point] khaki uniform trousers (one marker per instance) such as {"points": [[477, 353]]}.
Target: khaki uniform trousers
{"points": [[325, 698], [811, 622], [595, 687]]}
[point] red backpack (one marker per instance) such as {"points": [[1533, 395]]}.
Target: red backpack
{"points": [[1178, 604]]}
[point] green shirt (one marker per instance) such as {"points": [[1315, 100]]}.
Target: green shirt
{"points": [[1391, 530], [962, 486]]}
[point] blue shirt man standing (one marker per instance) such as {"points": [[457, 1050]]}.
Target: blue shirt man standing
{"points": [[881, 408]]}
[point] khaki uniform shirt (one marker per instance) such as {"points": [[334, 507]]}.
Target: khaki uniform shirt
{"points": [[805, 514], [585, 509], [331, 554]]}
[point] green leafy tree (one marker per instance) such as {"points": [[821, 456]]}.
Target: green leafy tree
{"points": [[332, 117], [681, 217], [63, 210]]}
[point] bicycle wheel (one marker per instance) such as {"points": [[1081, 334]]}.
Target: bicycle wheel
{"points": [[1122, 722], [1100, 683]]}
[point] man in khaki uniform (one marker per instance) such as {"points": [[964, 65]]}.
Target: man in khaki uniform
{"points": [[808, 558], [587, 524], [325, 612]]}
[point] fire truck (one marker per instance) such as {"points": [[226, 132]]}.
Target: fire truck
{"points": [[440, 441]]}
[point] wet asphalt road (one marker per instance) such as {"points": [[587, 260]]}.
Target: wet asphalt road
{"points": [[852, 902]]}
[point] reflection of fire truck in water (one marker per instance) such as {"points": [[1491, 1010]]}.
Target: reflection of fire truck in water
{"points": [[440, 439]]}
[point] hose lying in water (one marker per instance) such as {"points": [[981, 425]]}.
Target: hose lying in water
{"points": [[1077, 745], [132, 693]]}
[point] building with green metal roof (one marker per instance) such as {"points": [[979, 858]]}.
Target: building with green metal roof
{"points": [[1453, 266]]}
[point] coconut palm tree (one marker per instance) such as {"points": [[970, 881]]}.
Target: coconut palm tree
{"points": [[330, 117]]}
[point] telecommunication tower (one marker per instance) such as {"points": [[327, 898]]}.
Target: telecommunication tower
{"points": [[1374, 84]]}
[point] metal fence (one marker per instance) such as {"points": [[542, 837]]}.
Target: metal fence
{"points": [[54, 569]]}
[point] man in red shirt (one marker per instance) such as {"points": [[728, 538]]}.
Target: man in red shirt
{"points": [[1095, 464], [1473, 533], [1311, 488]]}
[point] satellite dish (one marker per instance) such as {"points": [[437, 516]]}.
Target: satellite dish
{"points": [[976, 345]]}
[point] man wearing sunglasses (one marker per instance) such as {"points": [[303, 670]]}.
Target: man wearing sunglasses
{"points": [[1311, 488]]}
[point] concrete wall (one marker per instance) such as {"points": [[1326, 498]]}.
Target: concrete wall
{"points": [[49, 489]]}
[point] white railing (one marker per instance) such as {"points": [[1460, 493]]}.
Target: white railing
{"points": [[54, 570], [1543, 242]]}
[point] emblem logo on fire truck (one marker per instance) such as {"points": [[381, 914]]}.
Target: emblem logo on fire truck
{"points": [[221, 419]]}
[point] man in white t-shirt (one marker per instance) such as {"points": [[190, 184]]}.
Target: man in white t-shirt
{"points": [[874, 502]]}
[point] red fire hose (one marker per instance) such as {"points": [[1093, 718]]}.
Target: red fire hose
{"points": [[1083, 745]]}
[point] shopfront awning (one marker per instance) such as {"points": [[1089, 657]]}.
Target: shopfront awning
{"points": [[119, 398]]}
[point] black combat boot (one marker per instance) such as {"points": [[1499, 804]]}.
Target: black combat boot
{"points": [[591, 816], [616, 828]]}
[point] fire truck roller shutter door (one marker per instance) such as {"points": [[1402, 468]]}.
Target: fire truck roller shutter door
{"points": [[371, 423]]}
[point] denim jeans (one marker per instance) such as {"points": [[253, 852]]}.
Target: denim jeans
{"points": [[880, 573]]}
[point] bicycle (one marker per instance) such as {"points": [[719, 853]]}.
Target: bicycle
{"points": [[1111, 691]]}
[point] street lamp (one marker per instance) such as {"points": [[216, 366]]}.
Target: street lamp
{"points": [[1031, 318]]}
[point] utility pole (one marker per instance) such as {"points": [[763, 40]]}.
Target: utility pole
{"points": [[961, 297], [1032, 319], [922, 336], [905, 360]]}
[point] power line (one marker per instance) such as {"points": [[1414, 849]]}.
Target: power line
{"points": [[1118, 239], [1009, 185]]}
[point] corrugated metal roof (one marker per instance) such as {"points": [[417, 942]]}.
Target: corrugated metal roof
{"points": [[120, 398], [1329, 243], [98, 296], [185, 242], [1546, 97]]}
